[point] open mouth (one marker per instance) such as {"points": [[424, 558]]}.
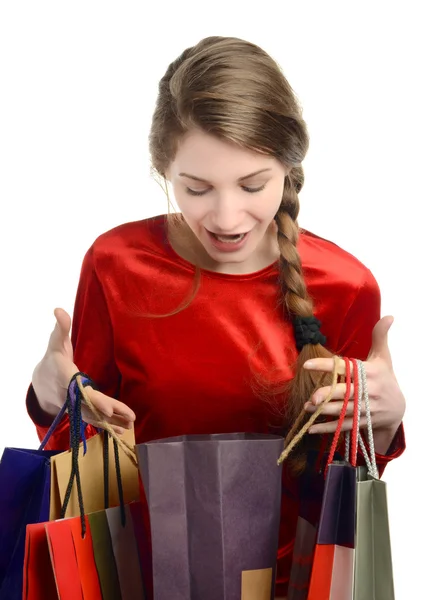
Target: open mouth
{"points": [[228, 239]]}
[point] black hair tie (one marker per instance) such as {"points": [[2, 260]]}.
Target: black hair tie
{"points": [[307, 330]]}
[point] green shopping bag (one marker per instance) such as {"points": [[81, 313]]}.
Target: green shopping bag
{"points": [[373, 579], [373, 573]]}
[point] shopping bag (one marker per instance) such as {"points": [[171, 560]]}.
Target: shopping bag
{"points": [[373, 573], [142, 534], [125, 551], [373, 561], [333, 563], [63, 560], [332, 576], [72, 560], [24, 499], [311, 488], [322, 566], [104, 556], [25, 481], [101, 565], [89, 484], [85, 568], [84, 550], [38, 576], [214, 504], [92, 474], [352, 558]]}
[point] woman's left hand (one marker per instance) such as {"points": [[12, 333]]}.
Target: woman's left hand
{"points": [[387, 403]]}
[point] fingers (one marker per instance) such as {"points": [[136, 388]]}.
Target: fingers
{"points": [[333, 409], [113, 411], [115, 422], [60, 335], [63, 322], [110, 407], [326, 365], [339, 393], [331, 426], [99, 425], [380, 346]]}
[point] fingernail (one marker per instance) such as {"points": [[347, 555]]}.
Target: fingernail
{"points": [[308, 364]]}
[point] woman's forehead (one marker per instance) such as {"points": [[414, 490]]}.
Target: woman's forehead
{"points": [[210, 158]]}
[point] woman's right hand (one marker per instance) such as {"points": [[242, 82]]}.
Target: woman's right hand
{"points": [[52, 376]]}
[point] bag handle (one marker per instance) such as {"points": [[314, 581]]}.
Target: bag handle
{"points": [[352, 439], [127, 448], [76, 394], [289, 445], [364, 396], [342, 413], [82, 380]]}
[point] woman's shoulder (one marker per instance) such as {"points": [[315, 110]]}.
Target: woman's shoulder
{"points": [[144, 235], [326, 263]]}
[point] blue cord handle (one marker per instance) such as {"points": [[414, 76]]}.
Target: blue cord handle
{"points": [[72, 390]]}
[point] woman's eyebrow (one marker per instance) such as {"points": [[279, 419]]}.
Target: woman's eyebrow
{"points": [[240, 179]]}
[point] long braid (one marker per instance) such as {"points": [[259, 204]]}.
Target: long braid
{"points": [[293, 287], [297, 302]]}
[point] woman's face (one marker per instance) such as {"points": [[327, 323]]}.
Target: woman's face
{"points": [[228, 196]]}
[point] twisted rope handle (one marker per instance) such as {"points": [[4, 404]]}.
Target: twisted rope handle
{"points": [[352, 437], [297, 438], [371, 462], [341, 416], [361, 377], [127, 449]]}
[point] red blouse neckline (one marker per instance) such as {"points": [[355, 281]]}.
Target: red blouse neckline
{"points": [[213, 274]]}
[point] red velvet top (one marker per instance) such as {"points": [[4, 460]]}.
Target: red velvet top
{"points": [[194, 372]]}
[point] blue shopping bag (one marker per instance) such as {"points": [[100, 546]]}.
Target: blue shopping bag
{"points": [[25, 481], [24, 499]]}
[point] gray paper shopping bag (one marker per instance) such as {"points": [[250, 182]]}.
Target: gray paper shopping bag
{"points": [[214, 504], [373, 573], [373, 578]]}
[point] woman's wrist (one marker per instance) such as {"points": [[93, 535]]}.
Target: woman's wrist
{"points": [[383, 438]]}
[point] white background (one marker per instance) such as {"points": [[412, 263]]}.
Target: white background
{"points": [[78, 82]]}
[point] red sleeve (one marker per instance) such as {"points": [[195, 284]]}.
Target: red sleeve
{"points": [[355, 342], [92, 339]]}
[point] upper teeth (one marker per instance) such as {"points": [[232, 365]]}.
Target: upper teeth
{"points": [[230, 238]]}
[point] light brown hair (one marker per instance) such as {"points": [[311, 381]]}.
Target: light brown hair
{"points": [[232, 89]]}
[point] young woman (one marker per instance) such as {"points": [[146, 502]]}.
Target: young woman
{"points": [[205, 322]]}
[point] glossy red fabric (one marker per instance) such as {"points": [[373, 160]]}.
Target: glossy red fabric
{"points": [[196, 371]]}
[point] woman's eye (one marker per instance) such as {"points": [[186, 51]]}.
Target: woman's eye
{"points": [[251, 190], [196, 192]]}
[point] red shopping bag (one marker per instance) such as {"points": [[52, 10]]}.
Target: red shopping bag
{"points": [[333, 564], [85, 559], [63, 560], [39, 580], [72, 560], [332, 575]]}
